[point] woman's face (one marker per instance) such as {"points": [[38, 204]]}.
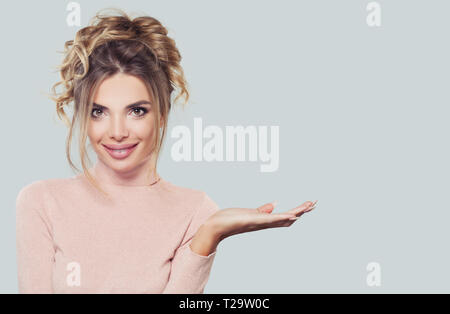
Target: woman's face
{"points": [[113, 121]]}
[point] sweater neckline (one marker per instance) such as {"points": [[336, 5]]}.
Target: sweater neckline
{"points": [[113, 186], [105, 176]]}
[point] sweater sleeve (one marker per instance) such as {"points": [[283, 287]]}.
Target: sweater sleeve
{"points": [[34, 244], [190, 271]]}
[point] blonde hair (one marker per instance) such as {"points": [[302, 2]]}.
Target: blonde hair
{"points": [[117, 44]]}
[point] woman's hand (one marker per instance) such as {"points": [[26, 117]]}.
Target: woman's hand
{"points": [[231, 221]]}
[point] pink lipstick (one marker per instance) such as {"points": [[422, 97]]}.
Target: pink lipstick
{"points": [[120, 151]]}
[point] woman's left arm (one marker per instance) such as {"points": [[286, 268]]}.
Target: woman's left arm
{"points": [[205, 240], [231, 221], [193, 259]]}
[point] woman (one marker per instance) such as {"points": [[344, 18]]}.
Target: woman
{"points": [[119, 227]]}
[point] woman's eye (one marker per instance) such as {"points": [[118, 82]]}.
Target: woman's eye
{"points": [[94, 110], [144, 111]]}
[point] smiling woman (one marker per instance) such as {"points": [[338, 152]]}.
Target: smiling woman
{"points": [[117, 227], [120, 74]]}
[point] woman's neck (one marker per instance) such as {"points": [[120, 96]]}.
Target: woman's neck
{"points": [[138, 176]]}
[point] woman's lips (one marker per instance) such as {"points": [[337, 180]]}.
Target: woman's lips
{"points": [[120, 153], [115, 146]]}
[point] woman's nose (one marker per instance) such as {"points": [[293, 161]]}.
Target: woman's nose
{"points": [[118, 128]]}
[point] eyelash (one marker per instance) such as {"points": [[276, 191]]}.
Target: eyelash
{"points": [[144, 110]]}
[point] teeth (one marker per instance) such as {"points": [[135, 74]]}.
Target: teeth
{"points": [[119, 150]]}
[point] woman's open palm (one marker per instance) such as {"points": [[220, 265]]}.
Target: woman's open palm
{"points": [[231, 221]]}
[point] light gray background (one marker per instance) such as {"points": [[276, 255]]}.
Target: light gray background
{"points": [[363, 128]]}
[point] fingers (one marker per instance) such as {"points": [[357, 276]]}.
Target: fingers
{"points": [[267, 208], [309, 209], [278, 220], [281, 219], [306, 210], [293, 213], [305, 206]]}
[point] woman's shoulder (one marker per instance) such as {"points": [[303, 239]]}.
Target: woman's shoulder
{"points": [[181, 191], [31, 190], [190, 196], [38, 188], [30, 196]]}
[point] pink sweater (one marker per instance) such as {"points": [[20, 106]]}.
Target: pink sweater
{"points": [[71, 239]]}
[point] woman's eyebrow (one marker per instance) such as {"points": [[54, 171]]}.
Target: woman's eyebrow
{"points": [[140, 102]]}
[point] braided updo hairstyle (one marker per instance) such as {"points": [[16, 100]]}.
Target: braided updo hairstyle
{"points": [[117, 44]]}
